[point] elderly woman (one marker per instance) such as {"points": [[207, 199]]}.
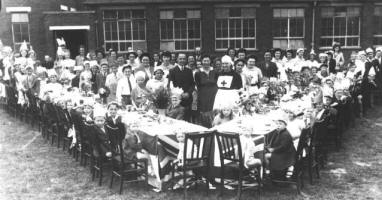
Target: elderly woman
{"points": [[175, 110], [228, 83], [52, 89], [140, 95]]}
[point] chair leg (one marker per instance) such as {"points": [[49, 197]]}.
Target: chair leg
{"points": [[184, 185], [100, 176], [121, 184], [239, 188], [111, 179]]}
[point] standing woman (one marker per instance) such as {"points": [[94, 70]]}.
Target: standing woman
{"points": [[338, 56], [206, 85], [228, 83], [231, 52]]}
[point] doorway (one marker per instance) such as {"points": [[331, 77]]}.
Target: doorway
{"points": [[73, 38]]}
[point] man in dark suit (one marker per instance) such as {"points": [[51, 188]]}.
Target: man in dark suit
{"points": [[268, 68], [31, 83], [182, 77]]}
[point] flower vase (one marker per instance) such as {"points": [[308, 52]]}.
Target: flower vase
{"points": [[161, 111]]}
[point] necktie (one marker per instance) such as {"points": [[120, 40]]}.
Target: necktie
{"points": [[128, 80]]}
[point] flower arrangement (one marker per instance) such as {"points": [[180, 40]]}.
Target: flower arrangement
{"points": [[161, 98]]}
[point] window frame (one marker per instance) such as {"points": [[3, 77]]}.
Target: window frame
{"points": [[131, 20], [241, 18], [187, 39], [17, 44], [375, 36], [346, 36], [288, 37]]}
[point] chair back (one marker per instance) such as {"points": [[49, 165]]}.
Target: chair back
{"points": [[197, 148], [302, 144], [319, 132], [230, 148], [115, 137]]}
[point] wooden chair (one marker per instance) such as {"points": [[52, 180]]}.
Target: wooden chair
{"points": [[196, 158], [230, 150], [126, 170], [319, 141], [298, 172], [84, 147], [310, 159]]}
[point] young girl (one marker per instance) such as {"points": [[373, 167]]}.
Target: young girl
{"points": [[140, 95], [225, 115], [86, 76]]}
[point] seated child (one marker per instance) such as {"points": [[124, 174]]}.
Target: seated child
{"points": [[224, 115], [100, 140], [175, 110], [87, 114], [279, 149]]}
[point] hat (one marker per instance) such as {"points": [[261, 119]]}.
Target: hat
{"points": [[327, 92], [132, 52], [78, 68], [93, 63], [99, 112], [369, 50], [60, 51], [329, 52], [176, 92], [28, 66], [300, 49], [378, 48], [104, 62], [360, 53], [86, 62], [60, 42], [158, 68], [140, 74], [322, 55], [51, 72], [112, 103], [227, 59], [312, 52]]}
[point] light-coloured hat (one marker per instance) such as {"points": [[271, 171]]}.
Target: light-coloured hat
{"points": [[99, 112], [227, 59], [78, 68], [140, 74], [51, 72], [360, 53], [176, 92], [24, 46], [312, 52], [369, 50], [323, 55], [300, 49], [378, 48], [86, 62]]}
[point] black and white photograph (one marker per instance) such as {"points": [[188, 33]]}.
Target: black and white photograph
{"points": [[190, 99]]}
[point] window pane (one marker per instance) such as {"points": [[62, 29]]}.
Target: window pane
{"points": [[327, 26], [138, 14], [124, 46], [124, 30], [353, 26], [327, 12], [221, 12], [139, 30], [378, 25], [235, 12], [249, 43], [110, 14], [20, 17], [166, 27], [352, 42], [353, 12], [112, 45], [111, 30], [296, 27], [283, 44], [193, 14], [180, 29], [166, 14], [378, 11], [194, 29], [377, 41], [180, 13], [326, 42], [235, 28], [248, 12], [276, 12], [221, 28], [124, 14], [248, 28], [280, 27], [340, 40], [295, 44], [339, 26], [24, 32]]}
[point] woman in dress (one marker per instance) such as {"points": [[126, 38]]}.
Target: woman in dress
{"points": [[206, 85], [338, 56], [228, 82], [86, 76]]}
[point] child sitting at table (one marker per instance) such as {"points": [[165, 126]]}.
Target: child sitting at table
{"points": [[176, 111], [279, 150], [224, 115], [100, 140], [87, 115]]}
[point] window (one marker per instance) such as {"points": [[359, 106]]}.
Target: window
{"points": [[124, 29], [20, 29], [377, 26], [288, 28], [340, 24], [180, 29], [235, 27]]}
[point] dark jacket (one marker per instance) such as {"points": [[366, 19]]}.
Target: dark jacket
{"points": [[100, 142], [76, 82], [268, 71], [284, 152], [183, 79], [332, 66]]}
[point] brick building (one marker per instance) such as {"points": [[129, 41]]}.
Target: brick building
{"points": [[180, 25]]}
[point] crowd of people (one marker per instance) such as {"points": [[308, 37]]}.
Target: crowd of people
{"points": [[202, 89]]}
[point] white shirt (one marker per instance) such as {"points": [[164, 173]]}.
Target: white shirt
{"points": [[311, 64], [154, 84], [281, 68], [254, 74], [123, 87], [298, 64]]}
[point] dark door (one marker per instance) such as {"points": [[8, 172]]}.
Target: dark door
{"points": [[73, 38]]}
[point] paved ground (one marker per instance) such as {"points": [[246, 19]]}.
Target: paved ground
{"points": [[32, 169]]}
